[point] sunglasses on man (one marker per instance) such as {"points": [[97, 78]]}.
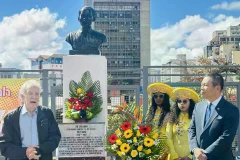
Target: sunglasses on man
{"points": [[158, 96], [185, 101]]}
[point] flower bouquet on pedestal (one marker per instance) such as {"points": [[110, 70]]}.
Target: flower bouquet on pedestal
{"points": [[85, 99], [129, 138]]}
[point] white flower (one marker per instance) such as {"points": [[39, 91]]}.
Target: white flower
{"points": [[136, 144], [156, 141], [114, 146], [129, 158], [136, 128], [141, 154], [129, 141], [123, 153]]}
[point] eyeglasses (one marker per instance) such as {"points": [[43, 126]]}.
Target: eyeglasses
{"points": [[185, 101], [158, 95]]}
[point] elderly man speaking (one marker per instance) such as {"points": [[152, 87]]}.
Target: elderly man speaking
{"points": [[31, 131]]}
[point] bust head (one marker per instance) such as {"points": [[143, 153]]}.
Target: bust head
{"points": [[86, 16]]}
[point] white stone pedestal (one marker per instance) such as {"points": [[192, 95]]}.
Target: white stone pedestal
{"points": [[74, 68]]}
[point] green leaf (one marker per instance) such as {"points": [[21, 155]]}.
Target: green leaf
{"points": [[73, 86], [86, 81]]}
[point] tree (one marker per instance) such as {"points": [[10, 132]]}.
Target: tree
{"points": [[228, 91], [203, 61]]}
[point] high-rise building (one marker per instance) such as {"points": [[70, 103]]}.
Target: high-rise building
{"points": [[229, 37], [181, 60], [153, 79], [236, 57], [126, 23], [226, 50]]}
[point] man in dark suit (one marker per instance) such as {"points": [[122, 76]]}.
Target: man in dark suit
{"points": [[214, 122]]}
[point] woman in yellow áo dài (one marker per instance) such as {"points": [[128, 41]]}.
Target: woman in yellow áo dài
{"points": [[159, 111], [177, 128]]}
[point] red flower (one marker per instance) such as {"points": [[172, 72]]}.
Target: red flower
{"points": [[125, 126], [90, 104], [71, 100], [78, 107], [76, 100], [86, 100], [112, 139], [145, 129], [71, 106], [90, 95], [84, 107]]}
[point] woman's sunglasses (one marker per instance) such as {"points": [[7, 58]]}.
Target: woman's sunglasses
{"points": [[185, 101], [158, 95]]}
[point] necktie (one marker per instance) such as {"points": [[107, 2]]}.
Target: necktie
{"points": [[208, 113]]}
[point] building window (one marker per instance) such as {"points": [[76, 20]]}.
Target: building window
{"points": [[237, 39]]}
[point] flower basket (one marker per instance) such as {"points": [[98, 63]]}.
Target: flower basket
{"points": [[131, 139], [85, 99]]}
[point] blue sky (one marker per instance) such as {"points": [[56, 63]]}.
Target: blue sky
{"points": [[171, 11], [175, 25], [162, 11]]}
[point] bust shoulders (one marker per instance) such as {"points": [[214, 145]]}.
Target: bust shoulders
{"points": [[94, 33]]}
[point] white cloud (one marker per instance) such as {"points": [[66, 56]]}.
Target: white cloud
{"points": [[188, 36], [29, 34], [210, 15], [227, 6], [220, 17]]}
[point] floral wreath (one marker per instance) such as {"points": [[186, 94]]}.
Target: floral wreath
{"points": [[85, 99]]}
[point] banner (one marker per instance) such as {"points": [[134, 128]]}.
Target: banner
{"points": [[9, 95]]}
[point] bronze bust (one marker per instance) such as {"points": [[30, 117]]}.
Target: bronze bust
{"points": [[86, 41]]}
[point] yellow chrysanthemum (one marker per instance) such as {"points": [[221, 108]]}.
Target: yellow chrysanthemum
{"points": [[148, 142], [140, 148], [134, 139], [138, 133], [134, 153], [119, 153], [125, 147], [128, 133], [119, 142], [148, 151], [118, 132], [80, 91], [155, 136]]}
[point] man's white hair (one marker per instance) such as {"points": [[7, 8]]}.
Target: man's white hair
{"points": [[28, 84]]}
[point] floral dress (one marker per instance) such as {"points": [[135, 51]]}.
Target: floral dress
{"points": [[178, 138], [156, 120], [163, 137]]}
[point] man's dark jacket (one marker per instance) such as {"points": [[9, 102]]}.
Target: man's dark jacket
{"points": [[217, 135], [48, 135]]}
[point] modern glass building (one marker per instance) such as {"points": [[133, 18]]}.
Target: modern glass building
{"points": [[126, 23]]}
